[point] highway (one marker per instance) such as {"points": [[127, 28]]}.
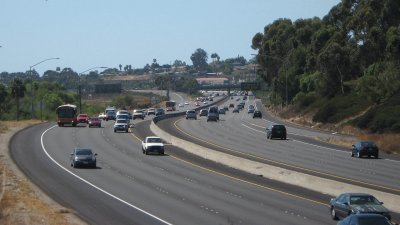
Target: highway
{"points": [[129, 187], [242, 135]]}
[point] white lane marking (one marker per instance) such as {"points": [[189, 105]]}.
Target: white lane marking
{"points": [[252, 128], [94, 186]]}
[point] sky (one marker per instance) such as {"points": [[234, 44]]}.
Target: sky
{"points": [[101, 33]]}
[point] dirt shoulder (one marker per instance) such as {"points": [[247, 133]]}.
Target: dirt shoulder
{"points": [[21, 202]]}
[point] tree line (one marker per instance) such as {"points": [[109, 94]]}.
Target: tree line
{"points": [[351, 55]]}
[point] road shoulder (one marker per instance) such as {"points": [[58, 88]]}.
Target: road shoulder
{"points": [[21, 201]]}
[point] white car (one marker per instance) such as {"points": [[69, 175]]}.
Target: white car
{"points": [[121, 125], [102, 116]]}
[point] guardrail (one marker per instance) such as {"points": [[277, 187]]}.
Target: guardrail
{"points": [[171, 115]]}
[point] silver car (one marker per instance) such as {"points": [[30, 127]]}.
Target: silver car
{"points": [[121, 125], [191, 114], [83, 157]]}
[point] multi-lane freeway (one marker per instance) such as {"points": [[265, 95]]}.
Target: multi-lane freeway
{"points": [[129, 187]]}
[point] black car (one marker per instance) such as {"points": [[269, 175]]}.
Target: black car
{"points": [[231, 105], [365, 148], [83, 157], [365, 219], [276, 131], [356, 203], [257, 114]]}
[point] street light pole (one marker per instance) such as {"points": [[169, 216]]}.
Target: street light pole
{"points": [[30, 74], [79, 86]]}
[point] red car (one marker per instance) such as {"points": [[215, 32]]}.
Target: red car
{"points": [[82, 118], [169, 109], [94, 122]]}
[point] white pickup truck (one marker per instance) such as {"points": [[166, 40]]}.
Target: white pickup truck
{"points": [[152, 144]]}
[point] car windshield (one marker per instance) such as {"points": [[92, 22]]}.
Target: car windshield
{"points": [[154, 140], [363, 200], [83, 152], [373, 221], [94, 118], [191, 112]]}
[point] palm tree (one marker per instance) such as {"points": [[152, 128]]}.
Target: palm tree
{"points": [[17, 91]]}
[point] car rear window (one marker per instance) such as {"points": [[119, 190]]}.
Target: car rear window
{"points": [[279, 127], [367, 144], [372, 221], [83, 152], [154, 140]]}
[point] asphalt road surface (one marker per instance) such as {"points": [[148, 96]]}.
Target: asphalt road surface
{"points": [[241, 135], [129, 187]]}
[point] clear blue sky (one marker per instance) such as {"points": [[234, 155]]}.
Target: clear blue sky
{"points": [[90, 33]]}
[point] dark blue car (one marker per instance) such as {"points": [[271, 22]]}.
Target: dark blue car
{"points": [[365, 219], [365, 148]]}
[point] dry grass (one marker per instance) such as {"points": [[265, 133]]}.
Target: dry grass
{"points": [[6, 125], [386, 142]]}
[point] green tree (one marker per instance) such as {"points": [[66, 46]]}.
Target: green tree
{"points": [[17, 91], [3, 99], [199, 59]]}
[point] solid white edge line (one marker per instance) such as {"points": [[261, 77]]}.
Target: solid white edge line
{"points": [[94, 186]]}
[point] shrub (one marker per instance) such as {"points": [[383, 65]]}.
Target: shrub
{"points": [[340, 108]]}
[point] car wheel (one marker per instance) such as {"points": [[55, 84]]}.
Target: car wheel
{"points": [[358, 155], [94, 165], [146, 152], [115, 131], [376, 156], [352, 154], [333, 214]]}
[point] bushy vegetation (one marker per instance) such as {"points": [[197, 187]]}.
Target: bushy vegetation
{"points": [[382, 118], [339, 65], [340, 108]]}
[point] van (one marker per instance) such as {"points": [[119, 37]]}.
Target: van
{"points": [[213, 113]]}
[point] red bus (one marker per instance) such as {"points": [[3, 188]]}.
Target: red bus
{"points": [[66, 114]]}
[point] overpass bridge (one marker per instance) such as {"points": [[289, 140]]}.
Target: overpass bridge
{"points": [[244, 86]]}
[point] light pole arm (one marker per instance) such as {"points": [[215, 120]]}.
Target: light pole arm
{"points": [[30, 68], [96, 67]]}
